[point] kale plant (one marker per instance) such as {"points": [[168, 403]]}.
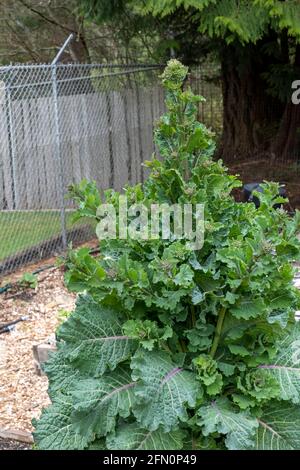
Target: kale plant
{"points": [[175, 348]]}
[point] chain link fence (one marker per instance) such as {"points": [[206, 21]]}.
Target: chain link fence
{"points": [[62, 123], [205, 80]]}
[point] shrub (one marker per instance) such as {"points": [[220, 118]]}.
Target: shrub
{"points": [[172, 348]]}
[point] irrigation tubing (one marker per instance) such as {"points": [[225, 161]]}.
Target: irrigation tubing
{"points": [[8, 286], [7, 327]]}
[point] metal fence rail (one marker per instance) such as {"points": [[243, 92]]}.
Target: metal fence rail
{"points": [[62, 123]]}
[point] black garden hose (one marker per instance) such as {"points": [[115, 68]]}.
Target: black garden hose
{"points": [[8, 286], [9, 326]]}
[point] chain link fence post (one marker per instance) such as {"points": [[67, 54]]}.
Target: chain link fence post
{"points": [[58, 157], [58, 153], [11, 143]]}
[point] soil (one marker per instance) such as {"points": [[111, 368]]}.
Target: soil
{"points": [[8, 444], [23, 393]]}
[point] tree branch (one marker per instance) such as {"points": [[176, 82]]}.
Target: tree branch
{"points": [[46, 18]]}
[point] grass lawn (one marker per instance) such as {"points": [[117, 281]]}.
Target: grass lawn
{"points": [[25, 229]]}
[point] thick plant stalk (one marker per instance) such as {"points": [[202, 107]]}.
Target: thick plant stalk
{"points": [[218, 332]]}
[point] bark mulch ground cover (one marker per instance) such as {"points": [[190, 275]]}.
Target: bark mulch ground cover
{"points": [[22, 392]]}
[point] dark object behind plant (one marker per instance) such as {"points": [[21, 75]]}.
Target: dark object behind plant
{"points": [[250, 188]]}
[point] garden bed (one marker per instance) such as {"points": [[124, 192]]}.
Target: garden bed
{"points": [[23, 393]]}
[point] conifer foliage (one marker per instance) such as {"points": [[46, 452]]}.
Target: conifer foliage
{"points": [[257, 43]]}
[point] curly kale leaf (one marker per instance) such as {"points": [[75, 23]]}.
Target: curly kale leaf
{"points": [[223, 417], [56, 430], [147, 332], [278, 427], [93, 336], [134, 437], [98, 402], [208, 374], [285, 368], [163, 391]]}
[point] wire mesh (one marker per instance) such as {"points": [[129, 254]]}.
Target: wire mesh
{"points": [[60, 124], [205, 80]]}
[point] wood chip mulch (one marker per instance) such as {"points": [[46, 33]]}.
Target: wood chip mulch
{"points": [[23, 393]]}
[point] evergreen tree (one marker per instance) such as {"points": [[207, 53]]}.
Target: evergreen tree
{"points": [[257, 42]]}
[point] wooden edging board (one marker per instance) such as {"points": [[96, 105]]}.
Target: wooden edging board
{"points": [[16, 435]]}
